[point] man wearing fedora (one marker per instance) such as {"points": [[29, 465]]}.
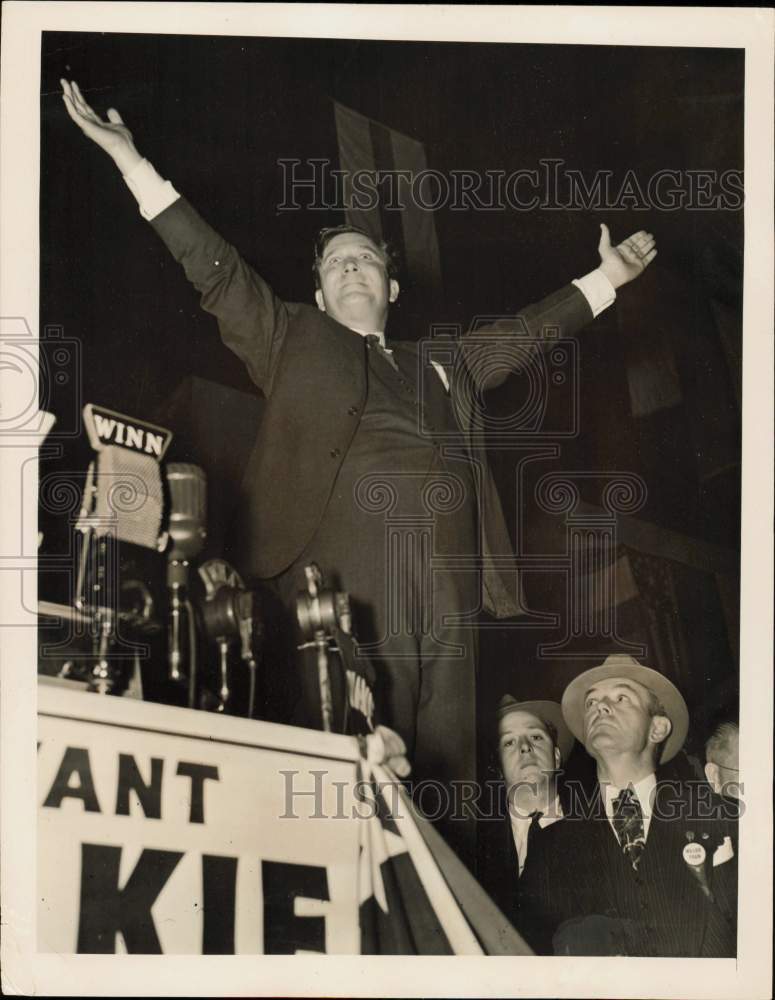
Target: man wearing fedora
{"points": [[642, 866], [533, 742]]}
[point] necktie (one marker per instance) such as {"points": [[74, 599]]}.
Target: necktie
{"points": [[373, 342], [628, 824], [532, 833]]}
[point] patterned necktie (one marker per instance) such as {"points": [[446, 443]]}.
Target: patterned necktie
{"points": [[628, 824], [374, 343]]}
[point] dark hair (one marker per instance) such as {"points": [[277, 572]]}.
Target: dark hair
{"points": [[324, 237]]}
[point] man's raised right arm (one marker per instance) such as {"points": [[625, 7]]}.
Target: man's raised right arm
{"points": [[252, 320]]}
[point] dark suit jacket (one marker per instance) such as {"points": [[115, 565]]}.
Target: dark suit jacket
{"points": [[580, 896], [313, 374], [497, 863]]}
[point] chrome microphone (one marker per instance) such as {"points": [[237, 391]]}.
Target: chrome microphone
{"points": [[188, 511], [187, 532], [229, 613]]}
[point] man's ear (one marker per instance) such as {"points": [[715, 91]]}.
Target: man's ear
{"points": [[713, 775], [557, 757], [660, 729], [395, 288], [320, 301]]}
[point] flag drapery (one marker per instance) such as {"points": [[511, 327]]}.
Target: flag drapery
{"points": [[415, 897], [369, 148]]}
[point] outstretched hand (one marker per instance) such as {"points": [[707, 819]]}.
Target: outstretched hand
{"points": [[112, 135], [627, 260]]}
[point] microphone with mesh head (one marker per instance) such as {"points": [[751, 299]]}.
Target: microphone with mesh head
{"points": [[187, 532], [188, 510], [128, 500]]}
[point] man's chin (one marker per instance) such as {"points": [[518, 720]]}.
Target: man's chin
{"points": [[358, 311], [601, 739], [601, 729], [531, 775], [355, 294], [527, 783], [525, 790]]}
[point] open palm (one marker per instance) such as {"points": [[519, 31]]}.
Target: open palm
{"points": [[626, 260], [112, 135]]}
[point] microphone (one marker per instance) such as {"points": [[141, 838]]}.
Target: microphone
{"points": [[125, 497], [188, 510], [128, 496], [187, 532], [122, 502], [229, 613]]}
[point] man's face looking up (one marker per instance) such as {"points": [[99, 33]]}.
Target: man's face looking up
{"points": [[618, 718], [354, 286]]}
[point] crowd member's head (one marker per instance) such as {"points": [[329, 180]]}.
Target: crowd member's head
{"points": [[629, 717], [355, 278], [721, 759], [533, 741]]}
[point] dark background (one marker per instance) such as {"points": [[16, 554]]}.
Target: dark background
{"points": [[214, 115]]}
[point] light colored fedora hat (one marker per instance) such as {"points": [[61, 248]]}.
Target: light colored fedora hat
{"points": [[548, 711], [619, 665]]}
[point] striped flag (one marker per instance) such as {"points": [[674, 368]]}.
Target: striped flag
{"points": [[415, 897], [369, 147], [398, 887]]}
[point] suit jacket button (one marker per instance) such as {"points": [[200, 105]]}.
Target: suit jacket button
{"points": [[352, 411], [335, 453]]}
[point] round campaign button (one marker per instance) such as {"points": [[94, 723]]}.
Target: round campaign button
{"points": [[694, 854]]}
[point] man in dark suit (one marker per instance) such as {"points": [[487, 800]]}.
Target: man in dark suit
{"points": [[356, 442], [642, 866], [533, 743]]}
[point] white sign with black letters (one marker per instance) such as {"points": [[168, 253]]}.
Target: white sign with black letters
{"points": [[167, 831]]}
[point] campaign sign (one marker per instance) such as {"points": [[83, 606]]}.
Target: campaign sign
{"points": [[163, 830]]}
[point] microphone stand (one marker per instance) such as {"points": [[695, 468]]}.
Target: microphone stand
{"points": [[177, 578]]}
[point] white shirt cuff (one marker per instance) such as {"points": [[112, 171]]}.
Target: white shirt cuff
{"points": [[597, 290], [152, 192]]}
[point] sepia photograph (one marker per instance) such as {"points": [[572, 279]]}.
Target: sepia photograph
{"points": [[387, 500]]}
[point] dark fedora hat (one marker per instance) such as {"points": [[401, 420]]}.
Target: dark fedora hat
{"points": [[620, 665], [547, 711]]}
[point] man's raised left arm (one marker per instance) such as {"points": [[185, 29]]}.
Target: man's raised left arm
{"points": [[565, 312]]}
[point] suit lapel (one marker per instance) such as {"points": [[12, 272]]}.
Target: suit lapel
{"points": [[608, 859], [595, 846], [664, 848], [405, 355]]}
